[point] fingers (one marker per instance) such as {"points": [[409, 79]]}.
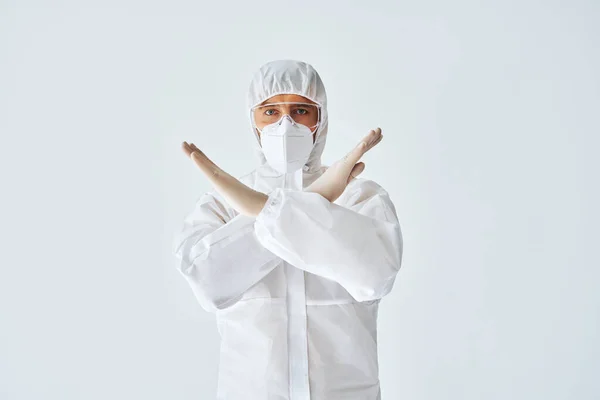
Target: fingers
{"points": [[374, 143], [373, 138], [193, 146], [201, 160], [195, 153], [242, 198], [189, 148], [367, 143], [186, 148], [198, 155]]}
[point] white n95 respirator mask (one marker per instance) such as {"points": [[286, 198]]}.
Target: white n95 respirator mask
{"points": [[286, 144]]}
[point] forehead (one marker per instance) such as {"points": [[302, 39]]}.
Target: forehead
{"points": [[287, 97]]}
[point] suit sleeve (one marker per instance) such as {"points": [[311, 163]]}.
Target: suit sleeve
{"points": [[358, 245], [219, 254]]}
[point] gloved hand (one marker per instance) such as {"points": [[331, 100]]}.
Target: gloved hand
{"points": [[335, 179], [242, 198]]}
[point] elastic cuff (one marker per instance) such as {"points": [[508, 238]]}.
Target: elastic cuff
{"points": [[271, 206]]}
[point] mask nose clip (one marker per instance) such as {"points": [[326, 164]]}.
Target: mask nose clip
{"points": [[289, 118]]}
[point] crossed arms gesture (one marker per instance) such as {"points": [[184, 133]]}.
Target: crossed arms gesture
{"points": [[250, 202]]}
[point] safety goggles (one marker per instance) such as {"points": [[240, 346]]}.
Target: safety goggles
{"points": [[307, 114]]}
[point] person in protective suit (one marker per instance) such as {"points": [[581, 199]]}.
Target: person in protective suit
{"points": [[294, 257]]}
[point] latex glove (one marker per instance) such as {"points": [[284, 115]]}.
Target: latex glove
{"points": [[334, 180], [242, 198]]}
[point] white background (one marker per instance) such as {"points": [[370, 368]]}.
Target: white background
{"points": [[490, 118]]}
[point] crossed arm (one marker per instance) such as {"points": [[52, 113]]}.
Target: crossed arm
{"points": [[250, 202], [358, 246]]}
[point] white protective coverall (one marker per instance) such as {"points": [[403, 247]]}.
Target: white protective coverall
{"points": [[295, 290]]}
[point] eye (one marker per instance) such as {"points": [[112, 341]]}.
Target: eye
{"points": [[270, 112], [301, 111]]}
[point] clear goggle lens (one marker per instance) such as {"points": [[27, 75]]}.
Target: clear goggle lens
{"points": [[306, 114]]}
